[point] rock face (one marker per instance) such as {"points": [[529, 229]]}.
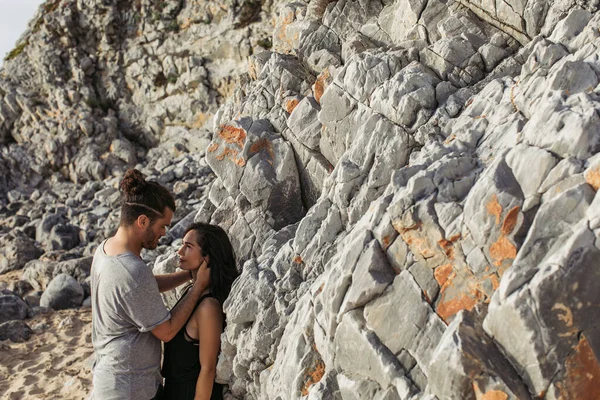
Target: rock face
{"points": [[410, 186]]}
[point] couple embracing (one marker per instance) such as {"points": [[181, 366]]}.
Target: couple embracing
{"points": [[129, 319]]}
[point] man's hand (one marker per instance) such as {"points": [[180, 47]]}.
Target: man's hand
{"points": [[182, 311]]}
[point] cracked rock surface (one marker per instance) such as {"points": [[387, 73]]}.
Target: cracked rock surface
{"points": [[410, 186]]}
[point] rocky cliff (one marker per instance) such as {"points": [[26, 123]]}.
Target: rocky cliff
{"points": [[410, 186]]}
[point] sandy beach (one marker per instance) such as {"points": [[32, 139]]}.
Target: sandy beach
{"points": [[54, 363]]}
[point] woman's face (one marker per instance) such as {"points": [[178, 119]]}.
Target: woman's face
{"points": [[190, 254]]}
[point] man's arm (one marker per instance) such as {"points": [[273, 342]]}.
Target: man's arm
{"points": [[171, 281], [181, 313]]}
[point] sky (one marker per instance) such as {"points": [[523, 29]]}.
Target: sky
{"points": [[13, 20]]}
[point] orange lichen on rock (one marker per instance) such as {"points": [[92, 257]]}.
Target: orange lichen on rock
{"points": [[582, 373], [320, 289], [321, 85], [313, 376], [402, 229], [233, 135], [454, 238], [502, 250], [494, 279], [494, 208], [444, 243], [489, 395], [298, 259], [448, 248], [592, 177], [510, 221], [386, 242], [263, 144], [213, 147], [419, 244], [226, 153], [442, 273], [281, 32], [290, 105], [458, 290], [449, 307], [240, 161], [426, 296], [233, 156]]}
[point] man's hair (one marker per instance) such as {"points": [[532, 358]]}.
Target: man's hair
{"points": [[143, 197], [214, 243]]}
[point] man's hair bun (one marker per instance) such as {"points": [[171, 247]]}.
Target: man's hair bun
{"points": [[133, 183]]}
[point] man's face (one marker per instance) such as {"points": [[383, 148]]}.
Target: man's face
{"points": [[157, 230]]}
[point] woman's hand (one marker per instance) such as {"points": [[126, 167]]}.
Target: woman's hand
{"points": [[202, 276]]}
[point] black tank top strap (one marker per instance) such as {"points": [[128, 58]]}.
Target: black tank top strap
{"points": [[184, 328], [204, 296]]}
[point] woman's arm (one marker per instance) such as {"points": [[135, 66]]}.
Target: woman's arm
{"points": [[209, 323], [171, 281]]}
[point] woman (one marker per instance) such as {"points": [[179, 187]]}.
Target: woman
{"points": [[190, 358]]}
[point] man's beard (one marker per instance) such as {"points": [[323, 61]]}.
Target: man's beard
{"points": [[149, 240]]}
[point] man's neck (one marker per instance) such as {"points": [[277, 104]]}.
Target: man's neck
{"points": [[123, 242]]}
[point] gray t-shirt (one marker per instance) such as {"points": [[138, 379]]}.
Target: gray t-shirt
{"points": [[126, 306]]}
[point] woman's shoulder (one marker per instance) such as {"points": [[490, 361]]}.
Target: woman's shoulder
{"points": [[208, 307]]}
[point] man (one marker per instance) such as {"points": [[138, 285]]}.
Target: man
{"points": [[129, 318]]}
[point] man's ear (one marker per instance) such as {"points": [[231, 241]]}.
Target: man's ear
{"points": [[142, 221]]}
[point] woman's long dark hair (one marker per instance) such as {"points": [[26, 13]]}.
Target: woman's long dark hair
{"points": [[215, 243]]}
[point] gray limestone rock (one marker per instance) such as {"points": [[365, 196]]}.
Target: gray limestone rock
{"points": [[39, 273], [16, 331], [377, 362], [166, 264], [530, 167], [62, 292], [247, 153], [62, 237], [12, 308], [304, 123], [371, 276], [20, 288], [408, 98], [553, 224], [466, 364], [451, 143], [548, 127], [16, 250], [550, 313], [402, 306]]}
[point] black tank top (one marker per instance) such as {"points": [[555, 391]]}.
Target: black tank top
{"points": [[181, 363]]}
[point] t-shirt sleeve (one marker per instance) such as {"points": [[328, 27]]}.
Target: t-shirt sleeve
{"points": [[143, 304]]}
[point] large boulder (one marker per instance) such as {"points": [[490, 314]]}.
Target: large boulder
{"points": [[12, 308], [251, 159], [16, 331], [39, 273], [62, 292], [16, 249]]}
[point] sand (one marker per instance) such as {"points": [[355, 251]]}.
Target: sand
{"points": [[54, 363]]}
